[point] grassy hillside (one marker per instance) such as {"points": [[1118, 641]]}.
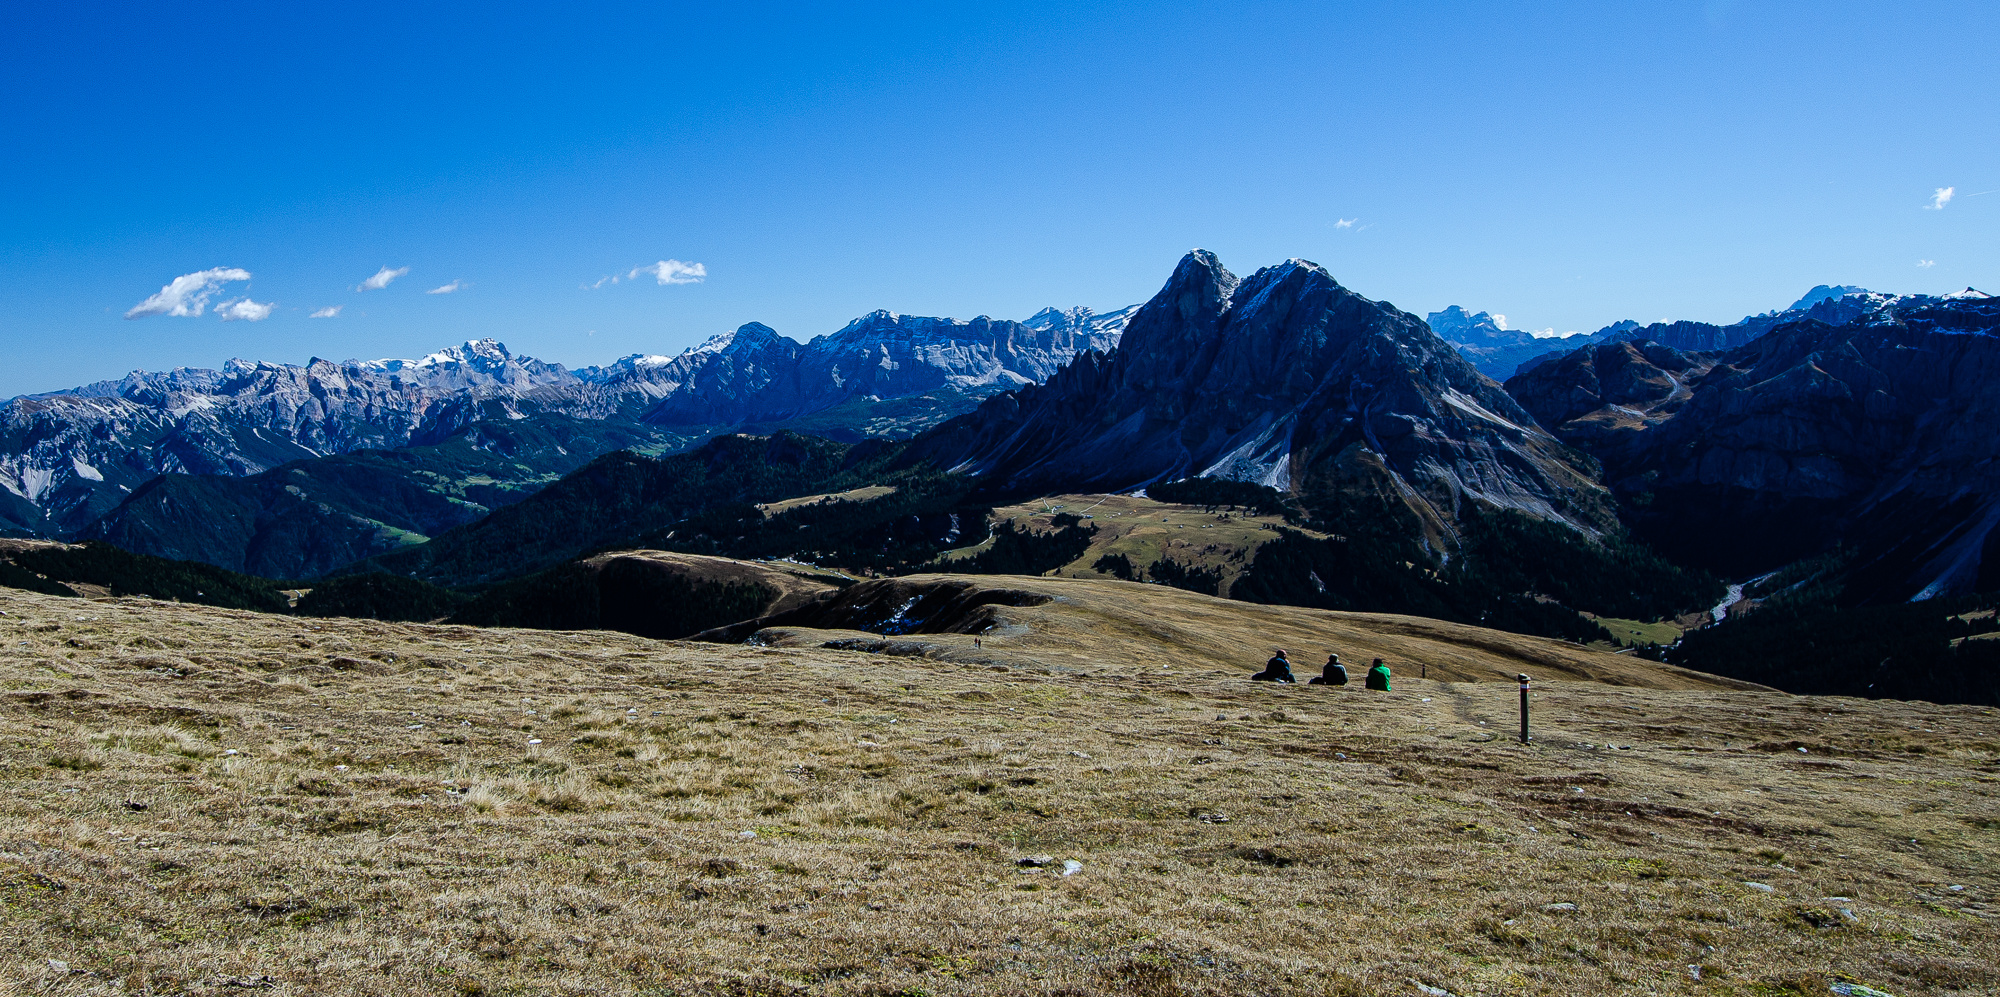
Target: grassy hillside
{"points": [[650, 593], [1064, 623], [1510, 573], [197, 796]]}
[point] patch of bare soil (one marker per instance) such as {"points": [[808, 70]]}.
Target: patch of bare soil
{"points": [[208, 801]]}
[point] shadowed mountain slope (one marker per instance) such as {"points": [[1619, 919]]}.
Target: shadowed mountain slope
{"points": [[1882, 434], [621, 496], [309, 517]]}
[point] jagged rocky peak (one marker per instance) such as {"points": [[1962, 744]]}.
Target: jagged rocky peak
{"points": [[1285, 378], [1080, 319], [1459, 326], [1825, 292]]}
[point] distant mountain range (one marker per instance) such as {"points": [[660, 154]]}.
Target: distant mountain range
{"points": [[1872, 422], [1499, 352], [70, 459], [1849, 418]]}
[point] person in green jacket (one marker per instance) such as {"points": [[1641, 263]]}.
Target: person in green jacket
{"points": [[1378, 676]]}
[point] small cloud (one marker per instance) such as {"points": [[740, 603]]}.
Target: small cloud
{"points": [[328, 312], [672, 272], [188, 295], [1499, 321], [245, 310], [451, 288], [1550, 333], [1926, 263], [1345, 222], [1941, 198], [665, 271], [381, 279]]}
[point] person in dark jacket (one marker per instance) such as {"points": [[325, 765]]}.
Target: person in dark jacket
{"points": [[1333, 674], [1378, 676], [1278, 669]]}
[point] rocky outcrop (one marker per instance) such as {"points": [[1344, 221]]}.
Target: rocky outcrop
{"points": [[1285, 378], [1882, 434]]}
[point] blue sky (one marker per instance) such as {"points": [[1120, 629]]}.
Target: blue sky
{"points": [[1566, 166]]}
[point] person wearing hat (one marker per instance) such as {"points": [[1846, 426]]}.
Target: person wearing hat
{"points": [[1333, 674]]}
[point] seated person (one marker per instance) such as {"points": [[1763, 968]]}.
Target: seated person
{"points": [[1378, 676], [1332, 674], [1278, 669]]}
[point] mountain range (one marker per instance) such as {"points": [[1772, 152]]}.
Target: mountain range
{"points": [[80, 462], [1499, 352], [1877, 433], [1850, 421]]}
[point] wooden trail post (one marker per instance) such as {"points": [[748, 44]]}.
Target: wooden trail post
{"points": [[1524, 708]]}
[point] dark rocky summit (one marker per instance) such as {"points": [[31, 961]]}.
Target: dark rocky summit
{"points": [[1288, 379]]}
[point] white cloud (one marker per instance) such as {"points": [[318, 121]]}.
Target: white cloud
{"points": [[1926, 263], [381, 279], [1499, 321], [1941, 198], [328, 312], [1550, 333], [1345, 222], [672, 272], [188, 295], [665, 271], [450, 288], [245, 310]]}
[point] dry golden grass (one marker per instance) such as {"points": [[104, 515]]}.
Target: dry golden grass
{"points": [[201, 800], [790, 584], [1088, 625], [1146, 530]]}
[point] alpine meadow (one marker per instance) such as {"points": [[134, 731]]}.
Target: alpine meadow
{"points": [[1545, 542]]}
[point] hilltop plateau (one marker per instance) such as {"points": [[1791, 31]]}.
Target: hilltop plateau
{"points": [[202, 800]]}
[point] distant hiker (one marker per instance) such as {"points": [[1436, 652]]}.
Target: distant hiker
{"points": [[1275, 670], [1378, 676], [1333, 674]]}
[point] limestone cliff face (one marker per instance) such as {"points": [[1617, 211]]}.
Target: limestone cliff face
{"points": [[1284, 378], [1879, 433]]}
